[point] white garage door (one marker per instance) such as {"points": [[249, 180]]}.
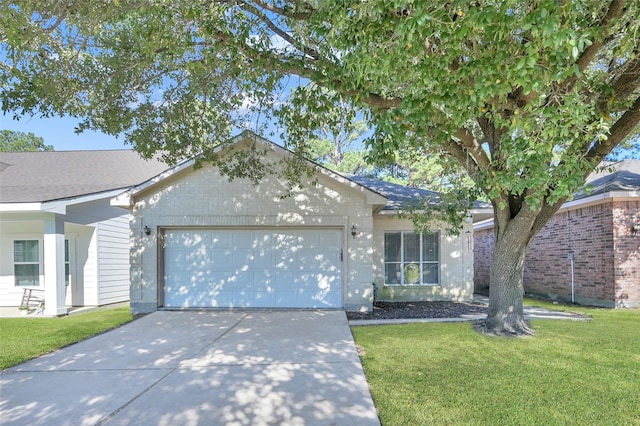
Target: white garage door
{"points": [[253, 268]]}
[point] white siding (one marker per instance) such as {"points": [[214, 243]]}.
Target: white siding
{"points": [[99, 235], [107, 268], [11, 230], [113, 260], [85, 267]]}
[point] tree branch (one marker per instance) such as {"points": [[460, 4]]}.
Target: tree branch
{"points": [[281, 33], [624, 83], [620, 130], [473, 146], [276, 62], [285, 11], [615, 10], [458, 152]]}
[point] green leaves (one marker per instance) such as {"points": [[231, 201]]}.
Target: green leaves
{"points": [[535, 86], [20, 141]]}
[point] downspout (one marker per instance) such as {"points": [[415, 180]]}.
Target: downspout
{"points": [[571, 257], [573, 283]]}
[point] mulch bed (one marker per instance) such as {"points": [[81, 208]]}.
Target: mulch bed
{"points": [[402, 310]]}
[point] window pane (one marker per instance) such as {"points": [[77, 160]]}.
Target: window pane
{"points": [[411, 247], [25, 251], [412, 273], [430, 273], [27, 275], [392, 247], [392, 273], [66, 250], [66, 274], [430, 247]]}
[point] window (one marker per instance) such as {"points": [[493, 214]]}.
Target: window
{"points": [[26, 262], [411, 258], [67, 271]]}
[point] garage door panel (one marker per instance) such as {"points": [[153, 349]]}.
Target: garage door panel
{"points": [[253, 268], [329, 239], [219, 240], [185, 239], [312, 259]]}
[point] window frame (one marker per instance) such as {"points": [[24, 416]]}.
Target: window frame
{"points": [[39, 262], [422, 262], [68, 276], [67, 262]]}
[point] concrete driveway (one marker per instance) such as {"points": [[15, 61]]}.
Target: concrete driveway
{"points": [[207, 368]]}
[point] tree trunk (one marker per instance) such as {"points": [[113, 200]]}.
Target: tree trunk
{"points": [[506, 291]]}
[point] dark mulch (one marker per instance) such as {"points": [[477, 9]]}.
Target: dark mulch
{"points": [[401, 310]]}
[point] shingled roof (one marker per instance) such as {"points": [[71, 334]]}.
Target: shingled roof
{"points": [[621, 176], [28, 177], [399, 196]]}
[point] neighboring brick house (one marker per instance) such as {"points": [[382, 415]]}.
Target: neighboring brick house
{"points": [[600, 229]]}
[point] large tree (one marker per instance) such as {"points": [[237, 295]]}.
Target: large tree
{"points": [[527, 95], [335, 139], [21, 141]]}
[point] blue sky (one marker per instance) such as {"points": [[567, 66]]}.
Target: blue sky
{"points": [[59, 132]]}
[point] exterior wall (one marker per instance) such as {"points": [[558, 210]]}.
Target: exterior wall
{"points": [[204, 198], [84, 272], [482, 252], [606, 256], [106, 269], [456, 265], [626, 248], [587, 233], [113, 260], [98, 237], [11, 228]]}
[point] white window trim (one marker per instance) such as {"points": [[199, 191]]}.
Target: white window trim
{"points": [[402, 261], [40, 241], [67, 262], [40, 261]]}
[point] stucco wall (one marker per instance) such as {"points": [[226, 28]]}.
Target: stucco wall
{"points": [[456, 265], [204, 198], [606, 256]]}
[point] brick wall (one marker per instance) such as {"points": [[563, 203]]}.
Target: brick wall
{"points": [[482, 250], [588, 234], [606, 256], [626, 253]]}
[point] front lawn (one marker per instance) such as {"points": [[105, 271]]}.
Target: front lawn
{"points": [[580, 373], [24, 338]]}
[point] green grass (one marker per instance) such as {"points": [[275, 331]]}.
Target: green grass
{"points": [[570, 373], [22, 339]]}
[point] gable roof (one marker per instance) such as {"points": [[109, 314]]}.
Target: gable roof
{"points": [[125, 199], [615, 177], [28, 177]]}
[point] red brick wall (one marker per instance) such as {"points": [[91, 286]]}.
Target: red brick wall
{"points": [[587, 233], [606, 270], [626, 253], [482, 249]]}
